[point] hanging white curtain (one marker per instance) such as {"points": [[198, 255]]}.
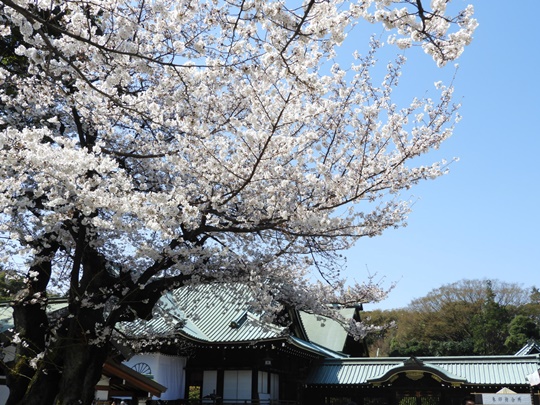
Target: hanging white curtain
{"points": [[166, 370]]}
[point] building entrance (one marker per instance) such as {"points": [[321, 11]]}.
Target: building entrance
{"points": [[418, 398]]}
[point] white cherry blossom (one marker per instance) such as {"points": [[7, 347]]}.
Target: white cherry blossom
{"points": [[148, 145]]}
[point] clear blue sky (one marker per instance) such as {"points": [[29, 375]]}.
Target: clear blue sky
{"points": [[481, 221]]}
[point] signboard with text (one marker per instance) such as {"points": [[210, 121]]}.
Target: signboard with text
{"points": [[504, 399]]}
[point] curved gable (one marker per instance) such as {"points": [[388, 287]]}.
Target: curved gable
{"points": [[415, 369]]}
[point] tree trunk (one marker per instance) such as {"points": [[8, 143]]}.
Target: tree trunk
{"points": [[31, 322], [82, 369], [71, 363], [81, 366]]}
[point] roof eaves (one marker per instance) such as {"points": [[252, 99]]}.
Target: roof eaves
{"points": [[136, 379], [316, 349]]}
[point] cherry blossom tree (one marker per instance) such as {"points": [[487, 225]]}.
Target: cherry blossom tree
{"points": [[145, 145]]}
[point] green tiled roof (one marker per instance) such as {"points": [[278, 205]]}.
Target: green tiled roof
{"points": [[213, 314], [489, 370], [208, 313], [216, 314]]}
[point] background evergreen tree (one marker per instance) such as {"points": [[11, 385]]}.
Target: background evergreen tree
{"points": [[467, 317], [520, 330]]}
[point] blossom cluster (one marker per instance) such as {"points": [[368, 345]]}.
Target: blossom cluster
{"points": [[210, 140]]}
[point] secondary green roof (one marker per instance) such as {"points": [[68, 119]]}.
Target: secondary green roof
{"points": [[324, 331], [489, 370]]}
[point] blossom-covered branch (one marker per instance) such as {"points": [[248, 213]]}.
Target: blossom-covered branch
{"points": [[149, 145]]}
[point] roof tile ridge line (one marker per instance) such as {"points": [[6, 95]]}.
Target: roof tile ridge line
{"points": [[319, 349]]}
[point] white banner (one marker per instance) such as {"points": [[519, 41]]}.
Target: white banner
{"points": [[506, 399], [534, 378]]}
